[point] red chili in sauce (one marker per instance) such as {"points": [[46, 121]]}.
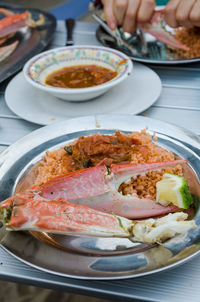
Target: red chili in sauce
{"points": [[81, 76]]}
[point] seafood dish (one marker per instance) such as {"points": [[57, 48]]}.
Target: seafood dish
{"points": [[119, 185], [155, 28], [183, 41], [153, 42], [9, 25]]}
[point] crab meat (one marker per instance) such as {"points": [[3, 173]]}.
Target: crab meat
{"points": [[69, 219], [155, 28]]}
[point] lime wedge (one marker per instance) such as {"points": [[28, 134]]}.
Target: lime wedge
{"points": [[173, 189]]}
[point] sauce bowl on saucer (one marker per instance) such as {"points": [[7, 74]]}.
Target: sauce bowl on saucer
{"points": [[40, 66]]}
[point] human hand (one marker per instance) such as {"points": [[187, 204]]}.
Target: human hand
{"points": [[128, 13], [183, 13]]}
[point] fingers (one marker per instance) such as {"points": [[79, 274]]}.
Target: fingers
{"points": [[129, 24], [183, 13], [127, 13], [109, 13], [146, 11], [138, 11], [120, 9], [170, 13], [195, 14], [115, 11]]}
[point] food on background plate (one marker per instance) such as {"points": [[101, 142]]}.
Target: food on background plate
{"points": [[90, 199], [191, 38], [183, 41], [80, 76], [9, 25], [157, 29]]}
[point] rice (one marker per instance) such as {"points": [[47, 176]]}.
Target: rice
{"points": [[119, 148], [191, 38]]}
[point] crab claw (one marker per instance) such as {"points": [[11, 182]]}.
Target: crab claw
{"points": [[69, 219], [97, 187], [156, 29]]}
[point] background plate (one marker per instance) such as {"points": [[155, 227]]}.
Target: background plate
{"points": [[86, 257], [134, 95], [158, 52], [31, 42]]}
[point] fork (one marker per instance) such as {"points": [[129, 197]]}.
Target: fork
{"points": [[155, 51], [116, 35]]}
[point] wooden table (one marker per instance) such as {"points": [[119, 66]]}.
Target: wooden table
{"points": [[179, 104]]}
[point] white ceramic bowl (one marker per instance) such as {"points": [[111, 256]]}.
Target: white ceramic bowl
{"points": [[37, 69]]}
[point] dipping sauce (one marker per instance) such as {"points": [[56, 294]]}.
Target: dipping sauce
{"points": [[81, 76]]}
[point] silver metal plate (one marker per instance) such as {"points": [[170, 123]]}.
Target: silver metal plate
{"points": [[91, 257], [158, 53]]}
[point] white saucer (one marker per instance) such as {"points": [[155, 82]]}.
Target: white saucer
{"points": [[138, 92]]}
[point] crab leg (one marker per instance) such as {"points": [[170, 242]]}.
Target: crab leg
{"points": [[65, 218], [5, 51], [98, 189], [155, 28], [13, 22]]}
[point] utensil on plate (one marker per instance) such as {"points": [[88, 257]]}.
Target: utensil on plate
{"points": [[122, 42], [69, 23]]}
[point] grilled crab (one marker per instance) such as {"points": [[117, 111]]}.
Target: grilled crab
{"points": [[10, 24], [87, 202]]}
